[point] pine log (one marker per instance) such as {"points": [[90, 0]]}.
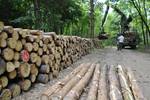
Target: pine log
{"points": [[42, 78], [46, 39], [58, 86], [28, 46], [40, 51], [41, 43], [23, 41], [33, 57], [18, 46], [35, 46], [1, 26], [45, 69], [25, 55], [2, 66], [60, 94], [44, 47], [16, 56], [11, 43], [33, 78], [127, 94], [15, 35], [103, 84], [8, 29], [45, 59], [24, 33], [8, 54], [36, 32], [38, 61], [15, 89], [30, 38], [25, 84], [10, 66], [5, 95], [114, 87], [3, 35], [52, 34], [17, 64], [3, 43], [12, 75], [24, 70], [138, 95], [75, 92], [34, 70], [3, 81], [92, 94]]}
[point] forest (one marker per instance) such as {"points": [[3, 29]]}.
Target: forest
{"points": [[85, 18]]}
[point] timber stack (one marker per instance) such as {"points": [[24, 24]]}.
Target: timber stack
{"points": [[106, 82], [29, 56]]}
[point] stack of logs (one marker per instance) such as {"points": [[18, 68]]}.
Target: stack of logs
{"points": [[105, 83], [29, 56]]}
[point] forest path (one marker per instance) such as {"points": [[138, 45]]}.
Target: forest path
{"points": [[139, 63]]}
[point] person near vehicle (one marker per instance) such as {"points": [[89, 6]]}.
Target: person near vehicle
{"points": [[120, 41]]}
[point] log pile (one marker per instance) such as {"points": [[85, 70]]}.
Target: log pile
{"points": [[29, 56], [105, 83]]}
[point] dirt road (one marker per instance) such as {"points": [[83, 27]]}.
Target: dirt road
{"points": [[139, 63]]}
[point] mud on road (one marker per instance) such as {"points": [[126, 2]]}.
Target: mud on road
{"points": [[139, 63]]}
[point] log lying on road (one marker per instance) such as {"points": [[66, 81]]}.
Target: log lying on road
{"points": [[76, 91], [92, 94], [127, 94], [60, 95], [58, 86], [134, 86], [103, 84], [114, 87]]}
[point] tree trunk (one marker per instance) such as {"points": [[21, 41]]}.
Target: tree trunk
{"points": [[92, 95], [76, 91], [60, 95]]}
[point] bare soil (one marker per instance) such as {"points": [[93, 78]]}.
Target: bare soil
{"points": [[139, 62]]}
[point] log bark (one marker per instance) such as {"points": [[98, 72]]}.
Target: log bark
{"points": [[10, 66], [103, 84], [2, 66], [8, 29], [12, 75], [92, 94], [24, 70], [3, 43], [35, 32], [15, 89], [5, 95], [45, 69], [114, 87], [11, 43], [60, 95], [58, 86], [127, 94], [3, 81], [134, 86], [25, 84], [42, 78], [76, 91], [19, 46], [8, 54]]}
